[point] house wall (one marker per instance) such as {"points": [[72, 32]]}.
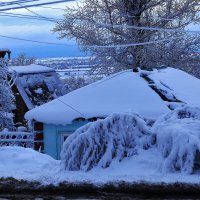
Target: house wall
{"points": [[53, 136]]}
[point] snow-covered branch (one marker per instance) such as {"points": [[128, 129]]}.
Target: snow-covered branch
{"points": [[116, 137]]}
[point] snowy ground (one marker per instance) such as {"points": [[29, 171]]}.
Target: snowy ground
{"points": [[178, 140], [30, 165]]}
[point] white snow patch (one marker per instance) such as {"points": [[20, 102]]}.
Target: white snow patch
{"points": [[24, 163], [30, 69], [120, 92], [27, 164], [184, 86]]}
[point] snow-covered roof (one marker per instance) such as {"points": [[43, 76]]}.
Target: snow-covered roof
{"points": [[30, 69], [184, 86], [37, 84], [122, 92]]}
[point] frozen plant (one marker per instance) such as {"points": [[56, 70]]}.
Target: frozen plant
{"points": [[98, 143], [114, 32], [6, 97], [178, 139], [22, 60]]}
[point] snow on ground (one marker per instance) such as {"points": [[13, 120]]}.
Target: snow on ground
{"points": [[181, 125], [146, 165], [27, 164]]}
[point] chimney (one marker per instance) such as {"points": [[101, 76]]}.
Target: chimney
{"points": [[3, 53]]}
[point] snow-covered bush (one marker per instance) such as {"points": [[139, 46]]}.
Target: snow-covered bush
{"points": [[22, 60], [98, 143], [178, 139], [6, 98]]}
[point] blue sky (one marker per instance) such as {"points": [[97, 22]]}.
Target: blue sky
{"points": [[39, 30], [36, 30]]}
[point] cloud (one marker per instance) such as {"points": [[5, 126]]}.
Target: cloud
{"points": [[25, 30], [35, 30]]}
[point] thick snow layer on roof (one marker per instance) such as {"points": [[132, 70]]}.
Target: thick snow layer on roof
{"points": [[30, 69], [122, 92], [184, 86]]}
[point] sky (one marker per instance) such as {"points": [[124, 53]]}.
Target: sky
{"points": [[36, 30], [39, 30]]}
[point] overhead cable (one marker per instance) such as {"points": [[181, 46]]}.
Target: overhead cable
{"points": [[130, 45], [34, 5], [35, 41], [90, 46]]}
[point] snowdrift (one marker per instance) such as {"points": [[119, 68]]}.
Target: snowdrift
{"points": [[98, 143], [178, 139]]}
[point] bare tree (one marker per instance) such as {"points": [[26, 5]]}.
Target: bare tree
{"points": [[115, 22], [22, 60]]}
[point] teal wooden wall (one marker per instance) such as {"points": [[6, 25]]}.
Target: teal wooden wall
{"points": [[52, 136]]}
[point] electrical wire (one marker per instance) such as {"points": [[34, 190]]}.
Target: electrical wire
{"points": [[16, 2], [100, 25], [155, 18], [27, 17], [35, 5], [130, 45], [35, 41], [87, 46]]}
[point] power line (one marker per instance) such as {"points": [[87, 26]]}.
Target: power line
{"points": [[54, 8], [155, 18], [100, 25], [35, 5], [28, 17], [94, 46], [131, 45], [32, 12], [16, 2], [29, 1], [35, 41]]}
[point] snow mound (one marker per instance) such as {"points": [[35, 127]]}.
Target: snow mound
{"points": [[98, 143], [27, 164], [178, 139]]}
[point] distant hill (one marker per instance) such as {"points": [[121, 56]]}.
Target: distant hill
{"points": [[67, 62]]}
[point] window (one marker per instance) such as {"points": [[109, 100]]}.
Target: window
{"points": [[64, 136]]}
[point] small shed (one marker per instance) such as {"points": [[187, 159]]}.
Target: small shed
{"points": [[34, 86], [148, 93], [122, 92]]}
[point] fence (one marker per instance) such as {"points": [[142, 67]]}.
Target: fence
{"points": [[22, 139]]}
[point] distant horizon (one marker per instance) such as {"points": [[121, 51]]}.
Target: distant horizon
{"points": [[36, 30], [44, 52]]}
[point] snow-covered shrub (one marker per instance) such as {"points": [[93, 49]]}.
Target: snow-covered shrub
{"points": [[6, 98], [98, 143], [178, 139]]}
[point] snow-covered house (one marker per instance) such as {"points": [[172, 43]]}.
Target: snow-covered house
{"points": [[148, 93], [34, 86]]}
